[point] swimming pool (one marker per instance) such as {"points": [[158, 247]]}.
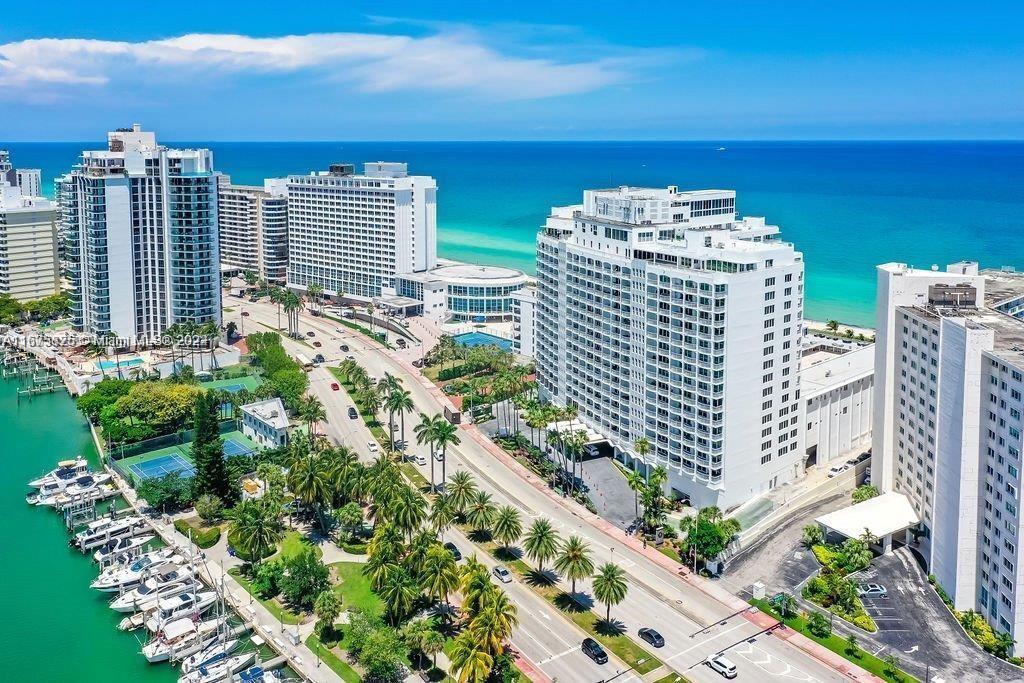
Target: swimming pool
{"points": [[127, 363], [482, 339]]}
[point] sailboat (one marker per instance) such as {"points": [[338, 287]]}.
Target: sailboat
{"points": [[220, 670], [182, 637]]}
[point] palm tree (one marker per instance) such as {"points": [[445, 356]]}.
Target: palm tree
{"points": [[399, 591], [474, 584], [610, 587], [315, 289], [445, 434], [574, 560], [399, 402], [636, 482], [312, 411], [1004, 642], [327, 608], [433, 643], [832, 325], [481, 512], [508, 526], [494, 622], [442, 513], [440, 575], [642, 446], [541, 543], [309, 478], [408, 510], [469, 660], [424, 432], [255, 527], [461, 491]]}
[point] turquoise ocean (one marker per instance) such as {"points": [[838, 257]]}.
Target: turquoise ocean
{"points": [[847, 206]]}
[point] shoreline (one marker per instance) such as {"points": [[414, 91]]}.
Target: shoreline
{"points": [[821, 325]]}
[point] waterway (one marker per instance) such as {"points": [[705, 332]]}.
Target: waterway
{"points": [[54, 627]]}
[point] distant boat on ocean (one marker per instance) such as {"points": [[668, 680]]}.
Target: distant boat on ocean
{"points": [[720, 149]]}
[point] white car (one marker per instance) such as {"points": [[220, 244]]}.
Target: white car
{"points": [[836, 470], [722, 665], [373, 446], [502, 574], [420, 459], [350, 357], [872, 590], [439, 456]]}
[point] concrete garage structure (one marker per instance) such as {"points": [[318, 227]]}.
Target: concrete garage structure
{"points": [[837, 388]]}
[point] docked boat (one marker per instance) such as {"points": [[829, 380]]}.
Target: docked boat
{"points": [[187, 604], [209, 655], [164, 584], [181, 638], [100, 532], [66, 471], [219, 671], [118, 546], [257, 674], [86, 487], [126, 577]]}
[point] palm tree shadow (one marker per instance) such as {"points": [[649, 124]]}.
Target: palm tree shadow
{"points": [[612, 627], [541, 578], [574, 602], [508, 554], [480, 535]]}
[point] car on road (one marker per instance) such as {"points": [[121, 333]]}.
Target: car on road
{"points": [[439, 456], [373, 446], [352, 412], [318, 358], [245, 314], [872, 590], [836, 470], [335, 386], [350, 357], [651, 636], [344, 347], [400, 343], [722, 665], [502, 573], [454, 550], [311, 333], [593, 649], [317, 344], [420, 459]]}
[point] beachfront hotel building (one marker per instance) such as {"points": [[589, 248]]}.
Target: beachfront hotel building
{"points": [[140, 229], [354, 234], [461, 292], [661, 314], [947, 430], [29, 267], [30, 180], [524, 317], [253, 227]]}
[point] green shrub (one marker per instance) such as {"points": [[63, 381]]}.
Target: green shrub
{"points": [[865, 622], [267, 579], [353, 548], [818, 624], [202, 536], [826, 556]]}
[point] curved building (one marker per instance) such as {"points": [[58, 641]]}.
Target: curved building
{"points": [[463, 291]]}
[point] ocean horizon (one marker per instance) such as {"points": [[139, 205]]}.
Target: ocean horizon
{"points": [[848, 206]]}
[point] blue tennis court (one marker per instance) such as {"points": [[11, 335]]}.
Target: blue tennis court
{"points": [[232, 447], [161, 466]]}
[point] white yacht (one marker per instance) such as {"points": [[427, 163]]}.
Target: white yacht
{"points": [[127, 577], [85, 487], [182, 637], [143, 597], [66, 471], [187, 604], [117, 546], [220, 670], [101, 531], [211, 654]]}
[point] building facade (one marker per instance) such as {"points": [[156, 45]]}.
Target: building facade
{"points": [[464, 292], [355, 234], [7, 173], [524, 307], [837, 390], [140, 230], [661, 315], [266, 422], [30, 180], [947, 429], [253, 228], [29, 265]]}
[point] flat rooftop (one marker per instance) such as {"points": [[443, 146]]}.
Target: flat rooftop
{"points": [[822, 371], [1001, 285], [1009, 331]]}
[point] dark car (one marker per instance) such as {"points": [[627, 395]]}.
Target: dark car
{"points": [[454, 550], [344, 347], [311, 333], [593, 649], [352, 412], [651, 636]]}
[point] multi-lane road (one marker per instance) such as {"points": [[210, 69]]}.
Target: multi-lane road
{"points": [[694, 625]]}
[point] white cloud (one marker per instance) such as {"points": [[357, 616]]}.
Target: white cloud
{"points": [[453, 60]]}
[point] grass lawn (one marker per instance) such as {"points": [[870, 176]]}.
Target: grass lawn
{"points": [[670, 551], [672, 678], [837, 644], [414, 476], [279, 612], [354, 588], [332, 660], [293, 543]]}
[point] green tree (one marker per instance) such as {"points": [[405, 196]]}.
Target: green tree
{"points": [[255, 528], [399, 592], [445, 434], [818, 625], [327, 608], [471, 662], [305, 578], [440, 577], [209, 507], [349, 517], [865, 492], [851, 644], [166, 493], [636, 483], [574, 560], [460, 491], [541, 543], [481, 512], [813, 535], [610, 587], [208, 452], [892, 665], [383, 655], [508, 526], [832, 325]]}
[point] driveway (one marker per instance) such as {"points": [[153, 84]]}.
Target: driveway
{"points": [[608, 490]]}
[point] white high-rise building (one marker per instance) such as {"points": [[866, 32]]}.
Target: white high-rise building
{"points": [[949, 381], [253, 225], [524, 321], [660, 314], [7, 173], [30, 180], [29, 268], [353, 234], [140, 225]]}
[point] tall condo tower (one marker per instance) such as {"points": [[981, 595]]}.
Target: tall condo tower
{"points": [[661, 315], [254, 227], [353, 234], [140, 224]]}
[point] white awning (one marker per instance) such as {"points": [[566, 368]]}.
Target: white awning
{"points": [[882, 515], [577, 426]]}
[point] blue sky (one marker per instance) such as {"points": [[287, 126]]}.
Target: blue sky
{"points": [[471, 70]]}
